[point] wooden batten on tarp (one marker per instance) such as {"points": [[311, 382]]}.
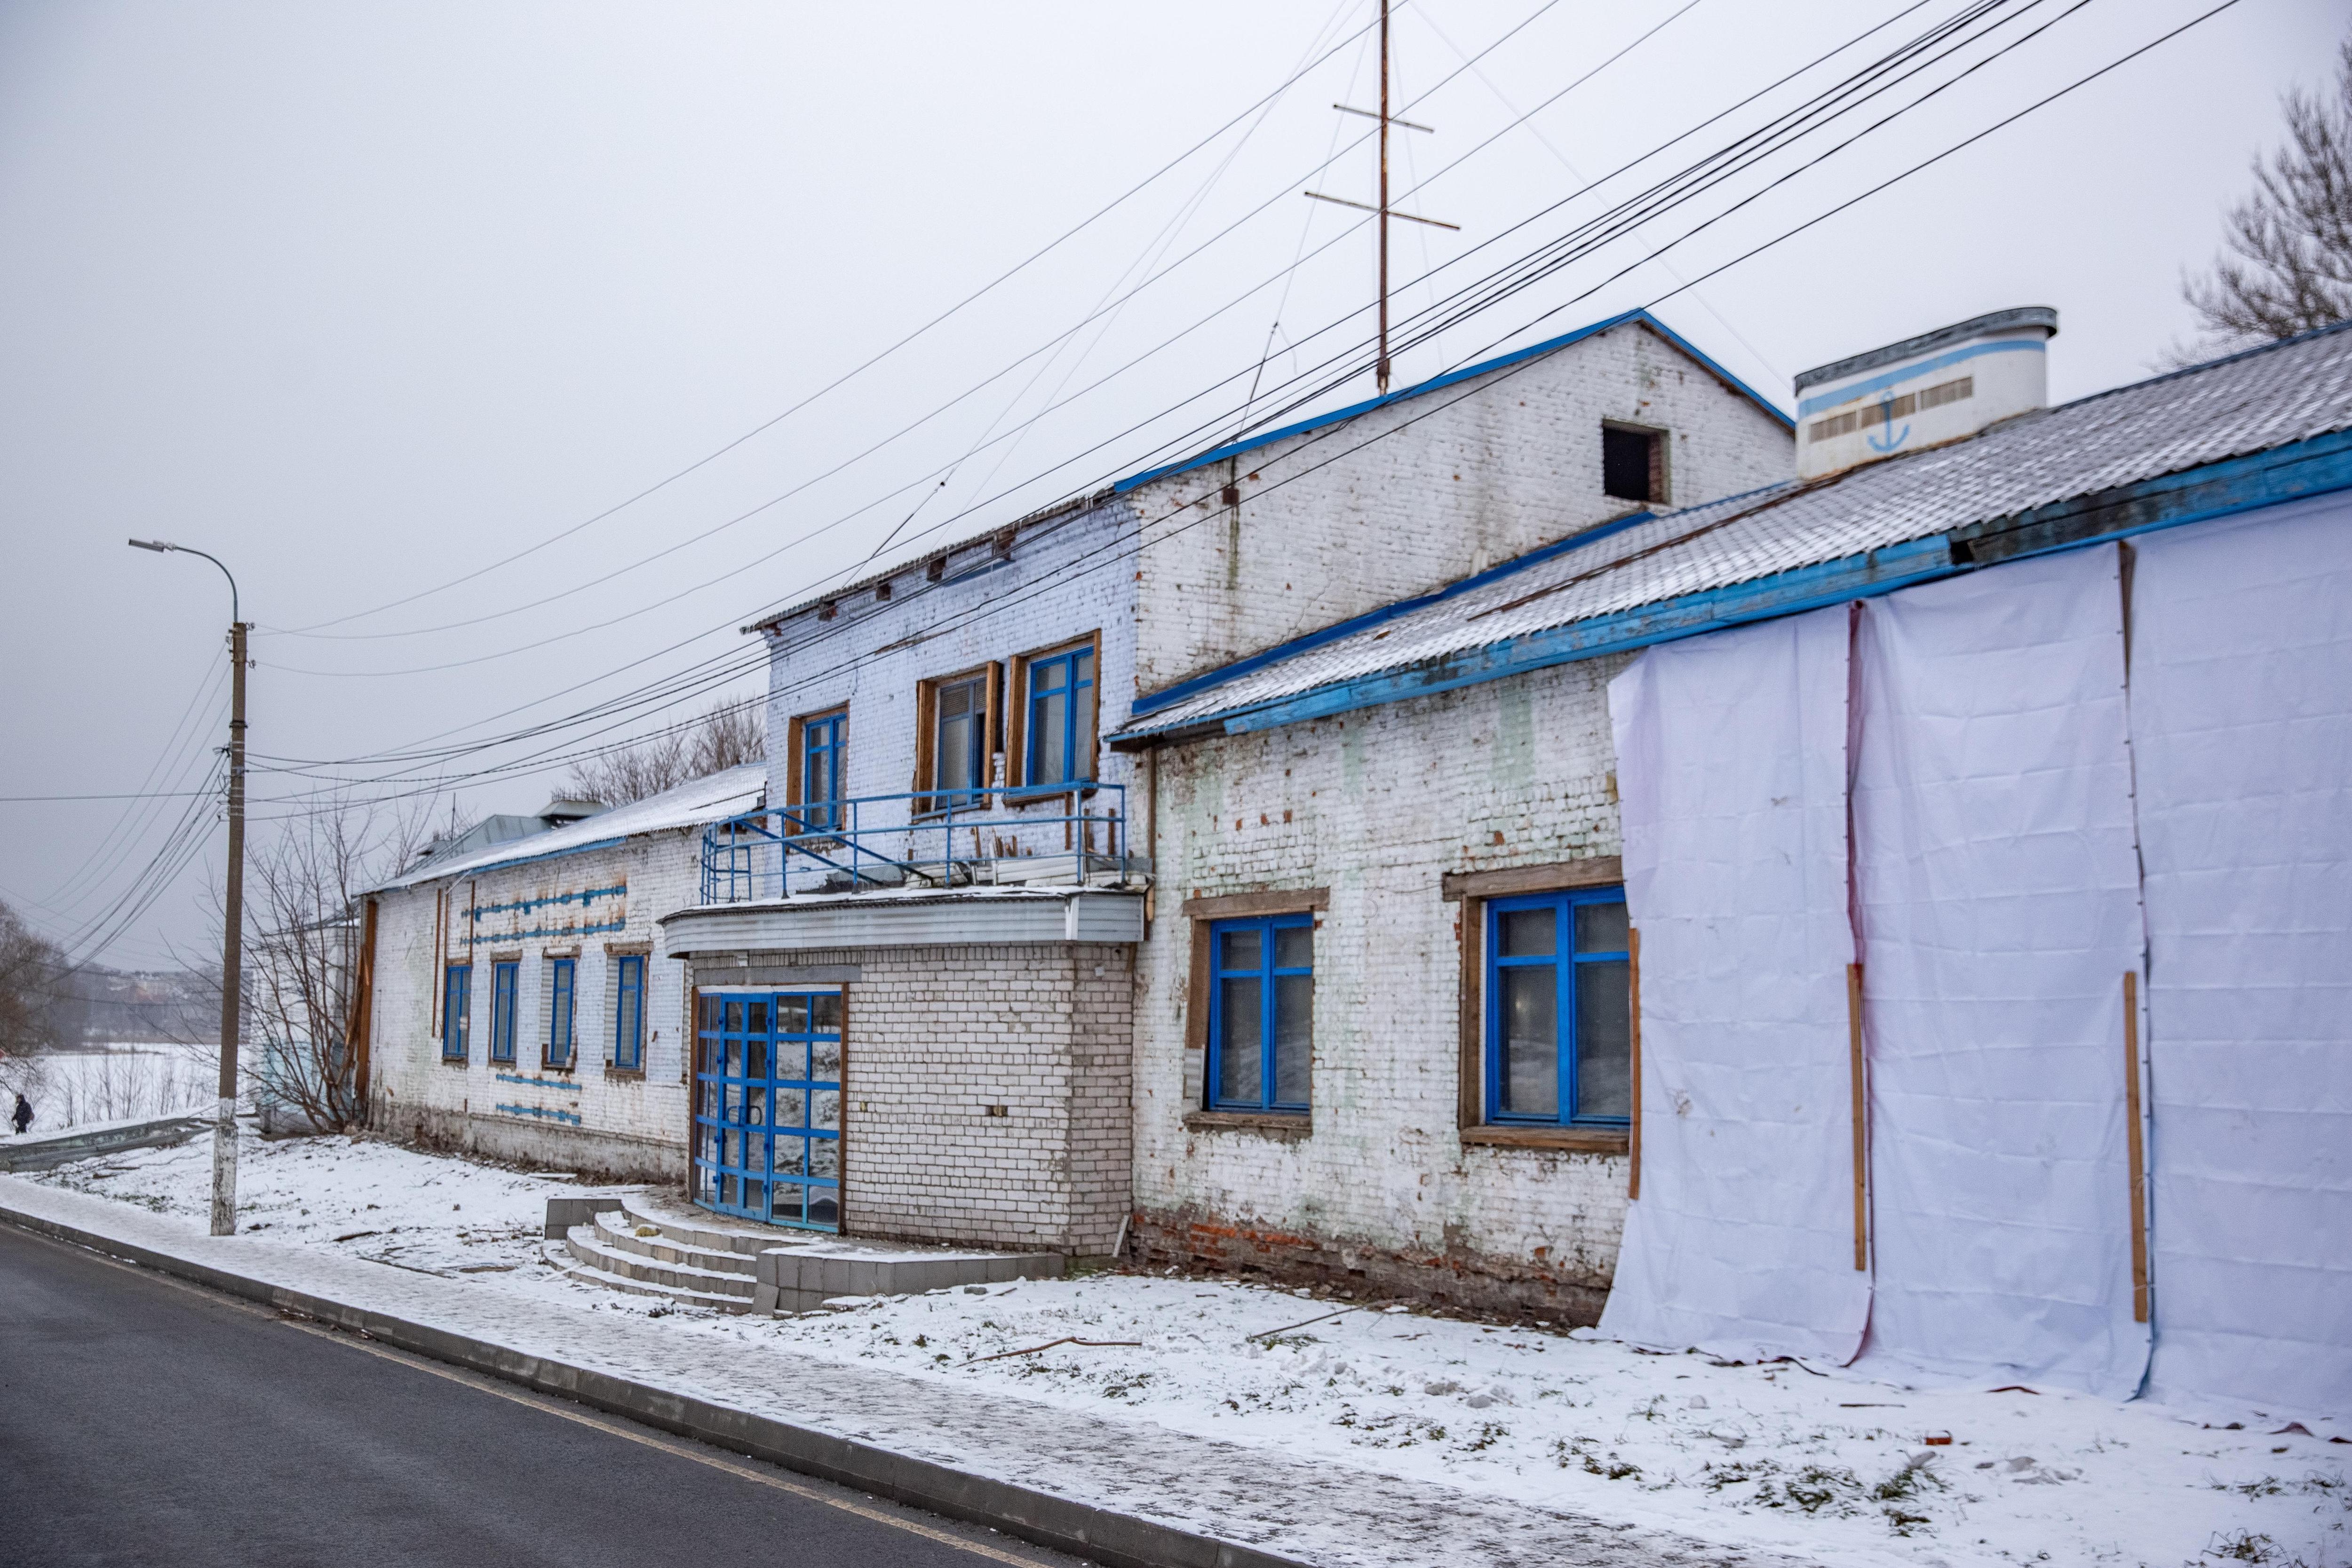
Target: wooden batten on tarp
{"points": [[2133, 1148], [1633, 1132], [1860, 1117]]}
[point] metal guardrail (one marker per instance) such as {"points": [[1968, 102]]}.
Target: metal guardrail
{"points": [[927, 838]]}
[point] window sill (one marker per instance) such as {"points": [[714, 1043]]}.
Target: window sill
{"points": [[634, 1075], [566, 1068], [1265, 1124], [1041, 795], [456, 1061], [1573, 1139]]}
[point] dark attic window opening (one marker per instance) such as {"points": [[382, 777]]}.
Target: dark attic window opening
{"points": [[1633, 463]]}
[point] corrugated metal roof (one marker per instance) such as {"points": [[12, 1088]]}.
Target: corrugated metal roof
{"points": [[2267, 397], [714, 798]]}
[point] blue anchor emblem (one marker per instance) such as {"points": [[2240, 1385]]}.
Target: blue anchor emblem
{"points": [[1894, 438]]}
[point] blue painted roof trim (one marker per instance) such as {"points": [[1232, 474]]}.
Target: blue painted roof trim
{"points": [[2305, 469], [1452, 378], [1151, 703]]}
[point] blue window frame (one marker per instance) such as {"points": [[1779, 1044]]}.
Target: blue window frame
{"points": [[629, 1011], [1559, 1022], [1060, 746], [766, 1107], [561, 992], [503, 979], [1261, 1013], [823, 743], [457, 1006]]}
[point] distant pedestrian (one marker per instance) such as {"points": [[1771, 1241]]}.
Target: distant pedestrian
{"points": [[24, 1116]]}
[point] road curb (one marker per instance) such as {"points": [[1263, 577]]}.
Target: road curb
{"points": [[1120, 1541]]}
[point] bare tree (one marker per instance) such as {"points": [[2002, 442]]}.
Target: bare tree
{"points": [[732, 734], [32, 973], [304, 911], [2287, 263]]}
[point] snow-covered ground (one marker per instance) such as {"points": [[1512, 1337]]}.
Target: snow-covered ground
{"points": [[117, 1083], [1821, 1465]]}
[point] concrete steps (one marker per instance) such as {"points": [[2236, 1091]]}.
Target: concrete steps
{"points": [[619, 1231], [561, 1255], [654, 1245], [591, 1247]]}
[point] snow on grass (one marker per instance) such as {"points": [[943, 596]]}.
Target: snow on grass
{"points": [[117, 1083], [1828, 1467]]}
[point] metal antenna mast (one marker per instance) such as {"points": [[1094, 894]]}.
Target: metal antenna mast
{"points": [[1380, 366]]}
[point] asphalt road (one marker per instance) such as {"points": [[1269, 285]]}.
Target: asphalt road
{"points": [[147, 1421]]}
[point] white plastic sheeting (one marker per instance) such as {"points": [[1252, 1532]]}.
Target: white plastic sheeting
{"points": [[2242, 723], [1999, 910], [1731, 754]]}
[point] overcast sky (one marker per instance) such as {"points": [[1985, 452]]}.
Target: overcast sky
{"points": [[367, 301]]}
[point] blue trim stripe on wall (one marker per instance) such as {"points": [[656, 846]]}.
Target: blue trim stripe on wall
{"points": [[1847, 394], [475, 938], [619, 889], [541, 1113]]}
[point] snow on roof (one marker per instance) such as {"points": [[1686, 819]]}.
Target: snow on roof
{"points": [[2266, 398], [713, 798]]}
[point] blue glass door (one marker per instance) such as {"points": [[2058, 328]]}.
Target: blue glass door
{"points": [[767, 1109]]}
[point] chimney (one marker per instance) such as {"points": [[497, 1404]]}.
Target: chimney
{"points": [[564, 810], [1924, 391]]}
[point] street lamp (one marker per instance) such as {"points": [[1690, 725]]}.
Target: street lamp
{"points": [[232, 939]]}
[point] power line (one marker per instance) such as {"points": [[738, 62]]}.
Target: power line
{"points": [[1051, 345], [1899, 55], [995, 607], [863, 366], [735, 570]]}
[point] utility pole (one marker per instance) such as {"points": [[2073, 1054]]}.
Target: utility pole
{"points": [[1381, 368], [223, 1216], [232, 946], [1384, 210]]}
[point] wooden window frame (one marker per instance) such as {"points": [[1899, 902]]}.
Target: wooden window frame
{"points": [[1018, 788], [930, 801], [1472, 891], [796, 768]]}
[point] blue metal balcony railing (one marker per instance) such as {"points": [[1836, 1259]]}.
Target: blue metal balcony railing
{"points": [[928, 839]]}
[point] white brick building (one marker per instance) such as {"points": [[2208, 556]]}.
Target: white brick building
{"points": [[1008, 1023], [452, 1065], [1893, 916]]}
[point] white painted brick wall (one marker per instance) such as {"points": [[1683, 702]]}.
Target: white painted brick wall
{"points": [[1377, 807], [1063, 579], [1467, 485], [630, 1125], [935, 1036]]}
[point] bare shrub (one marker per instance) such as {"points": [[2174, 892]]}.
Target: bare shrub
{"points": [[32, 978], [304, 926], [2286, 265], [730, 735]]}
